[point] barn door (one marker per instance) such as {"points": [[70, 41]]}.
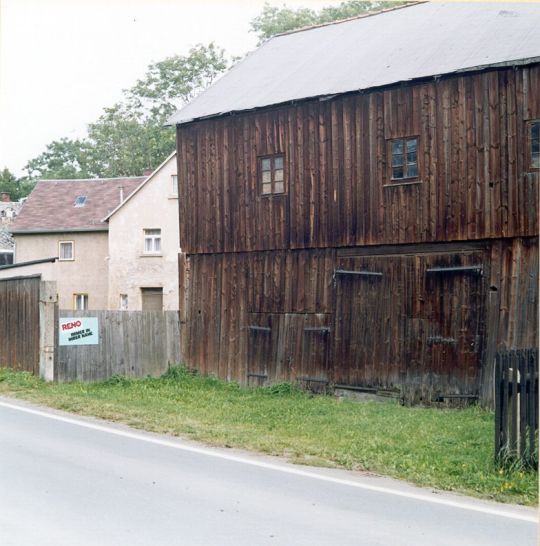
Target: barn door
{"points": [[288, 347], [413, 322], [455, 315], [370, 298]]}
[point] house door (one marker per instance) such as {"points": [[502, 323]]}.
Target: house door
{"points": [[288, 347], [152, 299]]}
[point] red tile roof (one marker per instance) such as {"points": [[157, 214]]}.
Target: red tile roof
{"points": [[50, 206]]}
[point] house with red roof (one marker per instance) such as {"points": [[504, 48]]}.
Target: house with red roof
{"points": [[60, 234]]}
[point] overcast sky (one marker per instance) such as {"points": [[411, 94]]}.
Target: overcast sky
{"points": [[62, 61]]}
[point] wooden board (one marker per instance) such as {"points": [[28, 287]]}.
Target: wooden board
{"points": [[19, 324]]}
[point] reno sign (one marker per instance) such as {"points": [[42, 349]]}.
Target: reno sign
{"points": [[78, 331]]}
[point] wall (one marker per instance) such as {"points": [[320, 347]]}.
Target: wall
{"points": [[87, 273], [474, 183], [131, 343], [153, 206], [419, 320]]}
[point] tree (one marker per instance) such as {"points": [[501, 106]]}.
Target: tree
{"points": [[16, 187], [63, 158], [274, 20], [173, 82], [129, 136]]}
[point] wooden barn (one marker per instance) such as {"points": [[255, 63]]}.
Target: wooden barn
{"points": [[360, 204]]}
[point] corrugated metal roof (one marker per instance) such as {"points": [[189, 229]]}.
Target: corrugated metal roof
{"points": [[417, 41]]}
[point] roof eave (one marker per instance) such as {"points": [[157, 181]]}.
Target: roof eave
{"points": [[58, 230]]}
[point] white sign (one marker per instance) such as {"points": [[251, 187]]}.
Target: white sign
{"points": [[78, 331]]}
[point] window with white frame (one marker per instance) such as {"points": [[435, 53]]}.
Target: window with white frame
{"points": [[123, 302], [152, 241], [80, 302], [66, 250], [174, 184]]}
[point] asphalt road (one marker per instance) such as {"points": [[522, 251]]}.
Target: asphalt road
{"points": [[72, 481]]}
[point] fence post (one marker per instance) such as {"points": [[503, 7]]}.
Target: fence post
{"points": [[516, 406], [48, 311], [498, 407]]}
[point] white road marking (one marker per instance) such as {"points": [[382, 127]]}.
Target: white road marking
{"points": [[279, 468]]}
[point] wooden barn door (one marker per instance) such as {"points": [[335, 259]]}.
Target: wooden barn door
{"points": [[288, 347], [370, 296], [413, 321], [454, 311]]}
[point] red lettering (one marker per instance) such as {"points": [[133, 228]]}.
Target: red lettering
{"points": [[70, 325]]}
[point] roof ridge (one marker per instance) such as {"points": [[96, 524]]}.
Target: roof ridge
{"points": [[353, 18], [91, 179]]}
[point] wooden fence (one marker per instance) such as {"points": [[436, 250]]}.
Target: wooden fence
{"points": [[516, 406], [131, 343], [19, 323]]}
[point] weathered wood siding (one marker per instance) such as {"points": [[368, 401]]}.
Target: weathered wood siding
{"points": [[131, 343], [474, 180], [424, 324], [19, 323], [266, 294]]}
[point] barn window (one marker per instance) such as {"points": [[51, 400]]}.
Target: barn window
{"points": [[66, 250], [272, 174], [534, 144], [404, 152]]}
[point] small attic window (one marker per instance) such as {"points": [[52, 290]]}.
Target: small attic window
{"points": [[80, 201]]}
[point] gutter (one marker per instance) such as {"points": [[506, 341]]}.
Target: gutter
{"points": [[32, 262]]}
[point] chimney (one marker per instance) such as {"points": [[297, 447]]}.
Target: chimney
{"points": [[121, 188], [147, 172], [5, 197]]}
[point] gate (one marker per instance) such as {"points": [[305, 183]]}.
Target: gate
{"points": [[19, 323]]}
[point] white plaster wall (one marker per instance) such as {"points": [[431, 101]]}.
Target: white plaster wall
{"points": [[86, 274], [46, 270], [152, 207]]}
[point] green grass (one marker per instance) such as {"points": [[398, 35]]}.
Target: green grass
{"points": [[441, 448]]}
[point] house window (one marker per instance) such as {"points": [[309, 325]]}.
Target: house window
{"points": [[272, 174], [534, 144], [174, 181], [66, 250], [123, 302], [80, 201], [404, 153], [80, 302], [152, 241]]}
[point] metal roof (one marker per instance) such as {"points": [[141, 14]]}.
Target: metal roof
{"points": [[398, 45]]}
